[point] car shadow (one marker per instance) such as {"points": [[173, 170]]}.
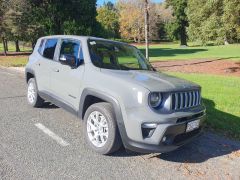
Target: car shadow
{"points": [[49, 105], [208, 145]]}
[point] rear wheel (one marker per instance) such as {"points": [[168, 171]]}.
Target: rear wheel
{"points": [[101, 131], [32, 94]]}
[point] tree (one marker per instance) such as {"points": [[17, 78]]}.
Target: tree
{"points": [[164, 21], [131, 20], [181, 20], [3, 5], [231, 20], [65, 17], [217, 21], [205, 22], [109, 19]]}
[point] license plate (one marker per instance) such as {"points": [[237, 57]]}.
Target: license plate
{"points": [[192, 125]]}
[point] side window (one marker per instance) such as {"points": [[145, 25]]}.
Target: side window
{"points": [[72, 48], [49, 48], [40, 46]]}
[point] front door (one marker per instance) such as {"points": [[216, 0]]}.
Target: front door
{"points": [[65, 80]]}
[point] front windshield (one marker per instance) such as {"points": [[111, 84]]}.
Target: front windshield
{"points": [[118, 56]]}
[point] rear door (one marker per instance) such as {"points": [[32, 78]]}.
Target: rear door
{"points": [[43, 70], [66, 81]]}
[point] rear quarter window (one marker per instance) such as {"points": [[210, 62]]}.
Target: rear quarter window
{"points": [[40, 48], [49, 48]]}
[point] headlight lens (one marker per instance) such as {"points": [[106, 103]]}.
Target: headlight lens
{"points": [[155, 99]]}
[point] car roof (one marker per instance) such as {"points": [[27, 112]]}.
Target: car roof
{"points": [[80, 38]]}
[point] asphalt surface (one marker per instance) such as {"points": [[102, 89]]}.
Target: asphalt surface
{"points": [[27, 152]]}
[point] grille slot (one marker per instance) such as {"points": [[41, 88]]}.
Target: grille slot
{"points": [[182, 100]]}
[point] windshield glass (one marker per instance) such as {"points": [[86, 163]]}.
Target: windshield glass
{"points": [[118, 56]]}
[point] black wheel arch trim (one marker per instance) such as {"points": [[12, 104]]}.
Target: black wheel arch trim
{"points": [[117, 111], [28, 70]]}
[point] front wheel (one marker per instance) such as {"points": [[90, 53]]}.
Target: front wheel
{"points": [[100, 127], [32, 94]]}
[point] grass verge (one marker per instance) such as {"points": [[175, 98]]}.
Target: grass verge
{"points": [[13, 61], [222, 99]]}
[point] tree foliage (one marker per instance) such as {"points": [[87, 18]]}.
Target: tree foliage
{"points": [[131, 19], [181, 19], [231, 20], [109, 19], [29, 19], [214, 20]]}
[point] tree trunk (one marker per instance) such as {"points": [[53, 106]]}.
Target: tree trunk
{"points": [[134, 39], [183, 36], [4, 46], [17, 46]]}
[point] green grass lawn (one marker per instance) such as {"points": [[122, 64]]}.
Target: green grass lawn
{"points": [[221, 96], [167, 51], [11, 47]]}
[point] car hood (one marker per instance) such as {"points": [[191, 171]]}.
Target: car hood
{"points": [[153, 81]]}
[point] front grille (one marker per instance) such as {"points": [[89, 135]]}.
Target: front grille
{"points": [[183, 100]]}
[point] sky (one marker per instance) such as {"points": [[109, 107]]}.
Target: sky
{"points": [[100, 2]]}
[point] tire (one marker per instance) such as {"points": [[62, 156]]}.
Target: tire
{"points": [[112, 139], [32, 94]]}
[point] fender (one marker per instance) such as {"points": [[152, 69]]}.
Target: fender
{"points": [[115, 104]]}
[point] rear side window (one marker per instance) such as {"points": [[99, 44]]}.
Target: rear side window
{"points": [[49, 48]]}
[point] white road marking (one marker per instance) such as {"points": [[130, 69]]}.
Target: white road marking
{"points": [[11, 74], [58, 139]]}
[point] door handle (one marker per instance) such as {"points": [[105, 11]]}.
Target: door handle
{"points": [[56, 70]]}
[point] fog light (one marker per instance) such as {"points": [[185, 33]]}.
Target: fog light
{"points": [[148, 129]]}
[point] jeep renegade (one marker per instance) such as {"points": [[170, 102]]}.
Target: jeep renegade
{"points": [[121, 98]]}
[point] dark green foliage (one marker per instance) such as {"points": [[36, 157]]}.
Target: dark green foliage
{"points": [[181, 21], [27, 20], [217, 21], [65, 16], [171, 29]]}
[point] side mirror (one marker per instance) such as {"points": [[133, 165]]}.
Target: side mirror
{"points": [[67, 59]]}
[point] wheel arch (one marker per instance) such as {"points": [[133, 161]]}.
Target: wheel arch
{"points": [[29, 73], [91, 96], [103, 97]]}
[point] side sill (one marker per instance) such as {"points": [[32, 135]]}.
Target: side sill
{"points": [[58, 102]]}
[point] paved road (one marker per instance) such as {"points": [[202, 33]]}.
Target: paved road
{"points": [[27, 152]]}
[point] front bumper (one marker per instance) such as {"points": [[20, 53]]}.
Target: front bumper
{"points": [[167, 136]]}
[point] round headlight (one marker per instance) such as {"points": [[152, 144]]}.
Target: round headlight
{"points": [[155, 99]]}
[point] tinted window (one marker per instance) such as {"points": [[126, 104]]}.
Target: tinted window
{"points": [[72, 48], [49, 48]]}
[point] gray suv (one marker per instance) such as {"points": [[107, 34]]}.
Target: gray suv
{"points": [[118, 94]]}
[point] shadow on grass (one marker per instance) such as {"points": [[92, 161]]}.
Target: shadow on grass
{"points": [[168, 52], [205, 147]]}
